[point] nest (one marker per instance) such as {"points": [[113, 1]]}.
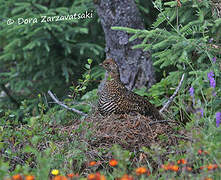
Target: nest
{"points": [[131, 132]]}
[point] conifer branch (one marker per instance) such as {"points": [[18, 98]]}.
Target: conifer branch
{"points": [[65, 106]]}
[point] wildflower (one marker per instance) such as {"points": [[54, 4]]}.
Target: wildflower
{"points": [[91, 177], [191, 91], [126, 177], [201, 112], [141, 170], [96, 176], [59, 178], [17, 177], [29, 177], [218, 119], [170, 167], [113, 162], [212, 166], [55, 172], [175, 168], [92, 163], [200, 151], [211, 79], [214, 59], [210, 40], [181, 161], [71, 175], [188, 168], [202, 167], [165, 167]]}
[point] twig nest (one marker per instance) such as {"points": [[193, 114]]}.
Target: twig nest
{"points": [[131, 132]]}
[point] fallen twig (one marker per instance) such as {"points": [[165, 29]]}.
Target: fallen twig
{"points": [[173, 96], [65, 106]]}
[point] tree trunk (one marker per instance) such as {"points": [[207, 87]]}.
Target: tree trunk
{"points": [[135, 65]]}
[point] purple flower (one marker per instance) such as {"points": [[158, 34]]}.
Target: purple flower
{"points": [[211, 40], [210, 74], [218, 119], [191, 91], [214, 59], [212, 83], [211, 79], [214, 93], [201, 112]]}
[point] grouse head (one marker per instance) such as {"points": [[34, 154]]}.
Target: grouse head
{"points": [[110, 66]]}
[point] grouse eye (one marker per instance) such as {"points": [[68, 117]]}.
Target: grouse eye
{"points": [[107, 63]]}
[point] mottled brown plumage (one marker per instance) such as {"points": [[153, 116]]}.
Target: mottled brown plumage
{"points": [[114, 97]]}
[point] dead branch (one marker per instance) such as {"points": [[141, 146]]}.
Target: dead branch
{"points": [[8, 93], [65, 106], [173, 96]]}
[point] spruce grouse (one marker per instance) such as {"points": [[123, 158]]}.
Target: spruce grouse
{"points": [[115, 98]]}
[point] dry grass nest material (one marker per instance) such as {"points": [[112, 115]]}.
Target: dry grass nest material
{"points": [[131, 132]]}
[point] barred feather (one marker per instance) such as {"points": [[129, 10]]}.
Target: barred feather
{"points": [[115, 98]]}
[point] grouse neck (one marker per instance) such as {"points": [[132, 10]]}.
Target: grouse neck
{"points": [[113, 76]]}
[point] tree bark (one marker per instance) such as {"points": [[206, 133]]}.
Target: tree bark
{"points": [[135, 65]]}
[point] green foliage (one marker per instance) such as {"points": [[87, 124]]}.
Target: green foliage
{"points": [[186, 40], [38, 56], [183, 40], [83, 83]]}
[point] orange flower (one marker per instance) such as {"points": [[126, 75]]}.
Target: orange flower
{"points": [[71, 175], [174, 168], [113, 162], [92, 163], [188, 168], [29, 177], [212, 166], [96, 176], [170, 167], [181, 161], [165, 167], [141, 170], [91, 177], [201, 167], [59, 178], [200, 151], [208, 179], [126, 177], [17, 177], [215, 166]]}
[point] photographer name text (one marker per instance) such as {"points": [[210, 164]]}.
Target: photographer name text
{"points": [[48, 19]]}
